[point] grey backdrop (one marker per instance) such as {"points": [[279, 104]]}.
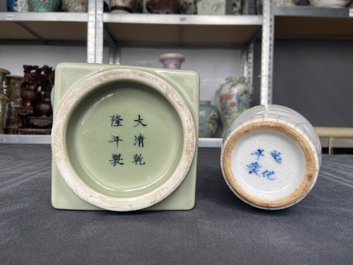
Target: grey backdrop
{"points": [[313, 77]]}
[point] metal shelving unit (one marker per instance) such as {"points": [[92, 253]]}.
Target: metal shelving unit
{"points": [[306, 22], [181, 30], [51, 29], [312, 23], [24, 139], [95, 29], [185, 30], [44, 28], [117, 30]]}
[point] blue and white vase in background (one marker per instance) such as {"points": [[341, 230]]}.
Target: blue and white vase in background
{"points": [[17, 6], [208, 119], [10, 5], [232, 99]]}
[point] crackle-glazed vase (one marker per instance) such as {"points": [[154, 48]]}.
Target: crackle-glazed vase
{"points": [[271, 156]]}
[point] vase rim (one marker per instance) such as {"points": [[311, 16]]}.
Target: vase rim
{"points": [[4, 71], [14, 76], [172, 55]]}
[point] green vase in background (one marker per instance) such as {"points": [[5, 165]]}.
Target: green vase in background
{"points": [[208, 120], [44, 5], [4, 100]]}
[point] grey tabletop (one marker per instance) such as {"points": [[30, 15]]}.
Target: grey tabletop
{"points": [[221, 229]]}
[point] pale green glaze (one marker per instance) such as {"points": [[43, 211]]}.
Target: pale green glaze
{"points": [[91, 144]]}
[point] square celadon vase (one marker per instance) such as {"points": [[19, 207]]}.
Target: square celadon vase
{"points": [[124, 138]]}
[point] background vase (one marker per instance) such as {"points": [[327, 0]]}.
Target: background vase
{"points": [[211, 7], [172, 60], [74, 5], [232, 99], [208, 120], [259, 4], [10, 5], [187, 7], [126, 6], [4, 101], [17, 6], [13, 91], [161, 6], [44, 5]]}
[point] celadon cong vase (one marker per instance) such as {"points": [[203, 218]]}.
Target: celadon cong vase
{"points": [[124, 138]]}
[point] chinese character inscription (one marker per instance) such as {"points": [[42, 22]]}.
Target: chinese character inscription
{"points": [[256, 166], [138, 139]]}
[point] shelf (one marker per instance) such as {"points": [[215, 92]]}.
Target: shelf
{"points": [[24, 139], [43, 27], [210, 142], [145, 29], [306, 22], [299, 22], [46, 139]]}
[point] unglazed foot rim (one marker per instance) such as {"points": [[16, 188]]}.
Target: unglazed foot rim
{"points": [[67, 170]]}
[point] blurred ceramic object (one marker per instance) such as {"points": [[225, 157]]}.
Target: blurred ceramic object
{"points": [[172, 60], [237, 7], [17, 6], [329, 3], [211, 7], [106, 7], [232, 99], [126, 6], [4, 100], [44, 5], [13, 91], [161, 6], [75, 6], [285, 2], [11, 5], [187, 7], [276, 3], [208, 119]]}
